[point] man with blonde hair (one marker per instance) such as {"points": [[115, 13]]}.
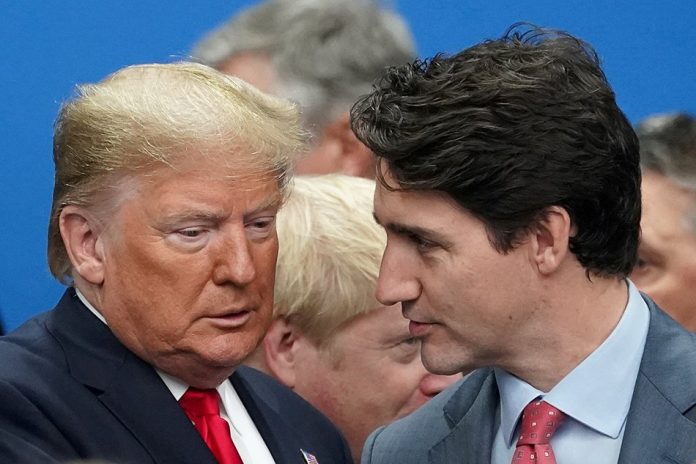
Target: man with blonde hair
{"points": [[331, 341], [168, 180], [322, 54]]}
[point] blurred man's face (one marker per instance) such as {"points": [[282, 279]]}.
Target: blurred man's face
{"points": [[327, 154], [254, 67], [189, 268], [666, 268], [369, 375], [467, 302]]}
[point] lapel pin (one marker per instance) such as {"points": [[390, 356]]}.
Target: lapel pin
{"points": [[309, 458]]}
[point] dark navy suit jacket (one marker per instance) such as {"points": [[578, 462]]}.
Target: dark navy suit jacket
{"points": [[70, 390]]}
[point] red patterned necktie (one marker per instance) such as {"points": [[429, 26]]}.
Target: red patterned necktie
{"points": [[539, 422], [201, 406]]}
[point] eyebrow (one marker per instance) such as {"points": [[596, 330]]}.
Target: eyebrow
{"points": [[403, 229], [272, 202], [215, 217]]}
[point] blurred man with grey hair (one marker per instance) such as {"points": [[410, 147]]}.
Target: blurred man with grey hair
{"points": [[666, 268], [322, 54]]}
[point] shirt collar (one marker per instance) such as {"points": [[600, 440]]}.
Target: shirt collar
{"points": [[89, 306], [599, 390]]}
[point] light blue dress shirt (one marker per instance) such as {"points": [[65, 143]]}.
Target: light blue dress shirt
{"points": [[595, 396]]}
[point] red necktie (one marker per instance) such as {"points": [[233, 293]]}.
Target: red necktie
{"points": [[201, 406], [539, 422]]}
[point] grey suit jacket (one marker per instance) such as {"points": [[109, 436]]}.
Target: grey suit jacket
{"points": [[458, 426]]}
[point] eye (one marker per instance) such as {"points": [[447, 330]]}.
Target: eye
{"points": [[646, 270], [406, 350], [261, 227], [191, 232], [421, 243]]}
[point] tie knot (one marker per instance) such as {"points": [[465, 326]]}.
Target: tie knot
{"points": [[539, 422], [197, 403]]}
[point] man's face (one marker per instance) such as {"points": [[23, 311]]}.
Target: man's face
{"points": [[369, 375], [467, 303], [189, 268], [666, 268]]}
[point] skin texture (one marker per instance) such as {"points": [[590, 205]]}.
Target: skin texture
{"points": [[184, 272], [369, 375], [255, 68], [666, 267]]}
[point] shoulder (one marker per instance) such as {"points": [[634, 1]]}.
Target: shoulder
{"points": [[300, 419], [410, 439], [30, 349], [669, 357], [279, 397]]}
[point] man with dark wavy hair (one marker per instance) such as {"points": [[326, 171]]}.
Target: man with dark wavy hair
{"points": [[510, 193]]}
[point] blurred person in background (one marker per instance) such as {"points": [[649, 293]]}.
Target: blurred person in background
{"points": [[666, 268], [331, 341], [322, 54]]}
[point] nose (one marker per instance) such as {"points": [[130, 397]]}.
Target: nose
{"points": [[396, 282], [235, 263], [432, 384]]}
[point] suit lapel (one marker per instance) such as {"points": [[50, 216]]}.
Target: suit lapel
{"points": [[657, 430], [144, 405], [126, 385], [281, 439], [471, 416]]}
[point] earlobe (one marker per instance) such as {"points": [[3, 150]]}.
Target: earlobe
{"points": [[550, 239], [81, 237], [279, 346]]}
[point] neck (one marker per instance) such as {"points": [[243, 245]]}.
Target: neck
{"points": [[569, 328]]}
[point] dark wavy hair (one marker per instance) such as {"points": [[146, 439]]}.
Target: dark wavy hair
{"points": [[508, 128]]}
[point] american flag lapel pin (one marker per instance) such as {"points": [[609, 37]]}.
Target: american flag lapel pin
{"points": [[309, 458]]}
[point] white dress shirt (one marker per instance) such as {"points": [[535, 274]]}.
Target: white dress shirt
{"points": [[246, 437]]}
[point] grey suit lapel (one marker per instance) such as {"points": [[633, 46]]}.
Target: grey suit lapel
{"points": [[472, 417], [657, 431]]}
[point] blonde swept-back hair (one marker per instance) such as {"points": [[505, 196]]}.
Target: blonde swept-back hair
{"points": [[329, 254], [148, 116]]}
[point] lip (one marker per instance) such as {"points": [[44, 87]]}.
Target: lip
{"points": [[418, 329], [232, 319]]}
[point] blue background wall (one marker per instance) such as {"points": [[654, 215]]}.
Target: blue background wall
{"points": [[648, 49]]}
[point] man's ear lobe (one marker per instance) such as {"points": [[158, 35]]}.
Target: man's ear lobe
{"points": [[81, 237], [550, 239], [280, 351]]}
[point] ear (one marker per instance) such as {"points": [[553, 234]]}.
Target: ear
{"points": [[81, 236], [355, 158], [280, 350], [550, 239]]}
